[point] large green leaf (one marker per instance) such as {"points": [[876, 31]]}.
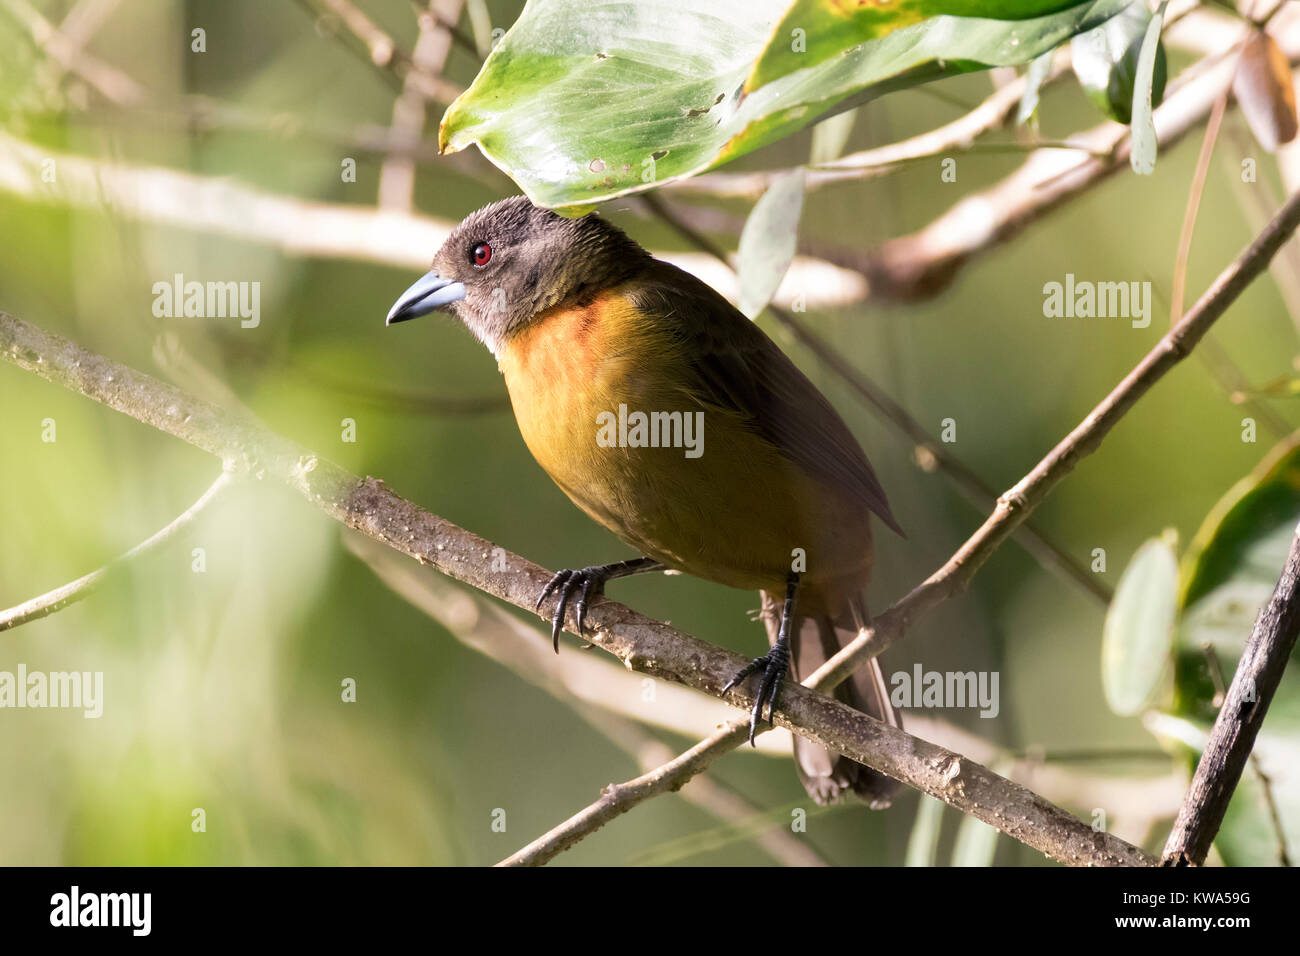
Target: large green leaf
{"points": [[814, 31], [581, 102]]}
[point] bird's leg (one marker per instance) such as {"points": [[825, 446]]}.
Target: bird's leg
{"points": [[591, 581], [773, 664]]}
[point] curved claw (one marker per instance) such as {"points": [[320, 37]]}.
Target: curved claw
{"points": [[562, 605], [556, 580], [773, 665], [588, 582], [592, 580]]}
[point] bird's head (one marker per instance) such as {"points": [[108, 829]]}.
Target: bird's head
{"points": [[511, 261]]}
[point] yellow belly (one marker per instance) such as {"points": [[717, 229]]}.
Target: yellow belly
{"points": [[730, 509]]}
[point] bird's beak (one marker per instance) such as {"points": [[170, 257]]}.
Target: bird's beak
{"points": [[431, 291]]}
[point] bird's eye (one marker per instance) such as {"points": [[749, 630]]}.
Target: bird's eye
{"points": [[482, 254]]}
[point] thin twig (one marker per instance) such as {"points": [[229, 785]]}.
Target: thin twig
{"points": [[381, 50], [74, 591], [1020, 501], [925, 262], [1258, 674], [1193, 207], [112, 83], [397, 174]]}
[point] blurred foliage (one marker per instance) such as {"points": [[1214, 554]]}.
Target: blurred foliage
{"points": [[223, 689]]}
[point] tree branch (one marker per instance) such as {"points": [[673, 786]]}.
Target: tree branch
{"points": [[1259, 672], [643, 644], [1016, 504]]}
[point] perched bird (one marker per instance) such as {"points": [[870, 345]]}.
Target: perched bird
{"points": [[675, 422]]}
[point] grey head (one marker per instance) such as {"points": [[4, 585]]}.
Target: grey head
{"points": [[510, 261]]}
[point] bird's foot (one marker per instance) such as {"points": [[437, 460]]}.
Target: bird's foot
{"points": [[773, 666], [586, 583]]}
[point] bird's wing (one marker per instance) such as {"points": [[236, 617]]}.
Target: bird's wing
{"points": [[735, 366]]}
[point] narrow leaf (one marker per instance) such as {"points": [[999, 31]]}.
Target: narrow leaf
{"points": [[923, 843], [1106, 60], [1037, 73], [1137, 638], [768, 241], [977, 843], [1143, 154]]}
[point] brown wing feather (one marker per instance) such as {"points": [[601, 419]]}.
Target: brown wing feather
{"points": [[739, 368]]}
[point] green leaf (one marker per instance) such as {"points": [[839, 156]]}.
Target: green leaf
{"points": [[1037, 73], [814, 31], [581, 103], [1106, 62], [1138, 635], [923, 842], [1142, 156], [1245, 537], [767, 243]]}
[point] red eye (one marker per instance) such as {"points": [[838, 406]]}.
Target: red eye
{"points": [[482, 254]]}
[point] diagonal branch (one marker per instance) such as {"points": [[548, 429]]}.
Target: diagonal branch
{"points": [[1258, 674], [643, 644], [1016, 504]]}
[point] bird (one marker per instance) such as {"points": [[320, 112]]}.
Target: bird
{"points": [[674, 421]]}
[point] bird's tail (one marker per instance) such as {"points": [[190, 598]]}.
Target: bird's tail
{"points": [[825, 775]]}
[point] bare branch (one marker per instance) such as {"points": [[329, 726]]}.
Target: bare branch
{"points": [[383, 50], [1019, 502], [1259, 672], [112, 83], [397, 175]]}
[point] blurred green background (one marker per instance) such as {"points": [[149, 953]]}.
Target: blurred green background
{"points": [[223, 688]]}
